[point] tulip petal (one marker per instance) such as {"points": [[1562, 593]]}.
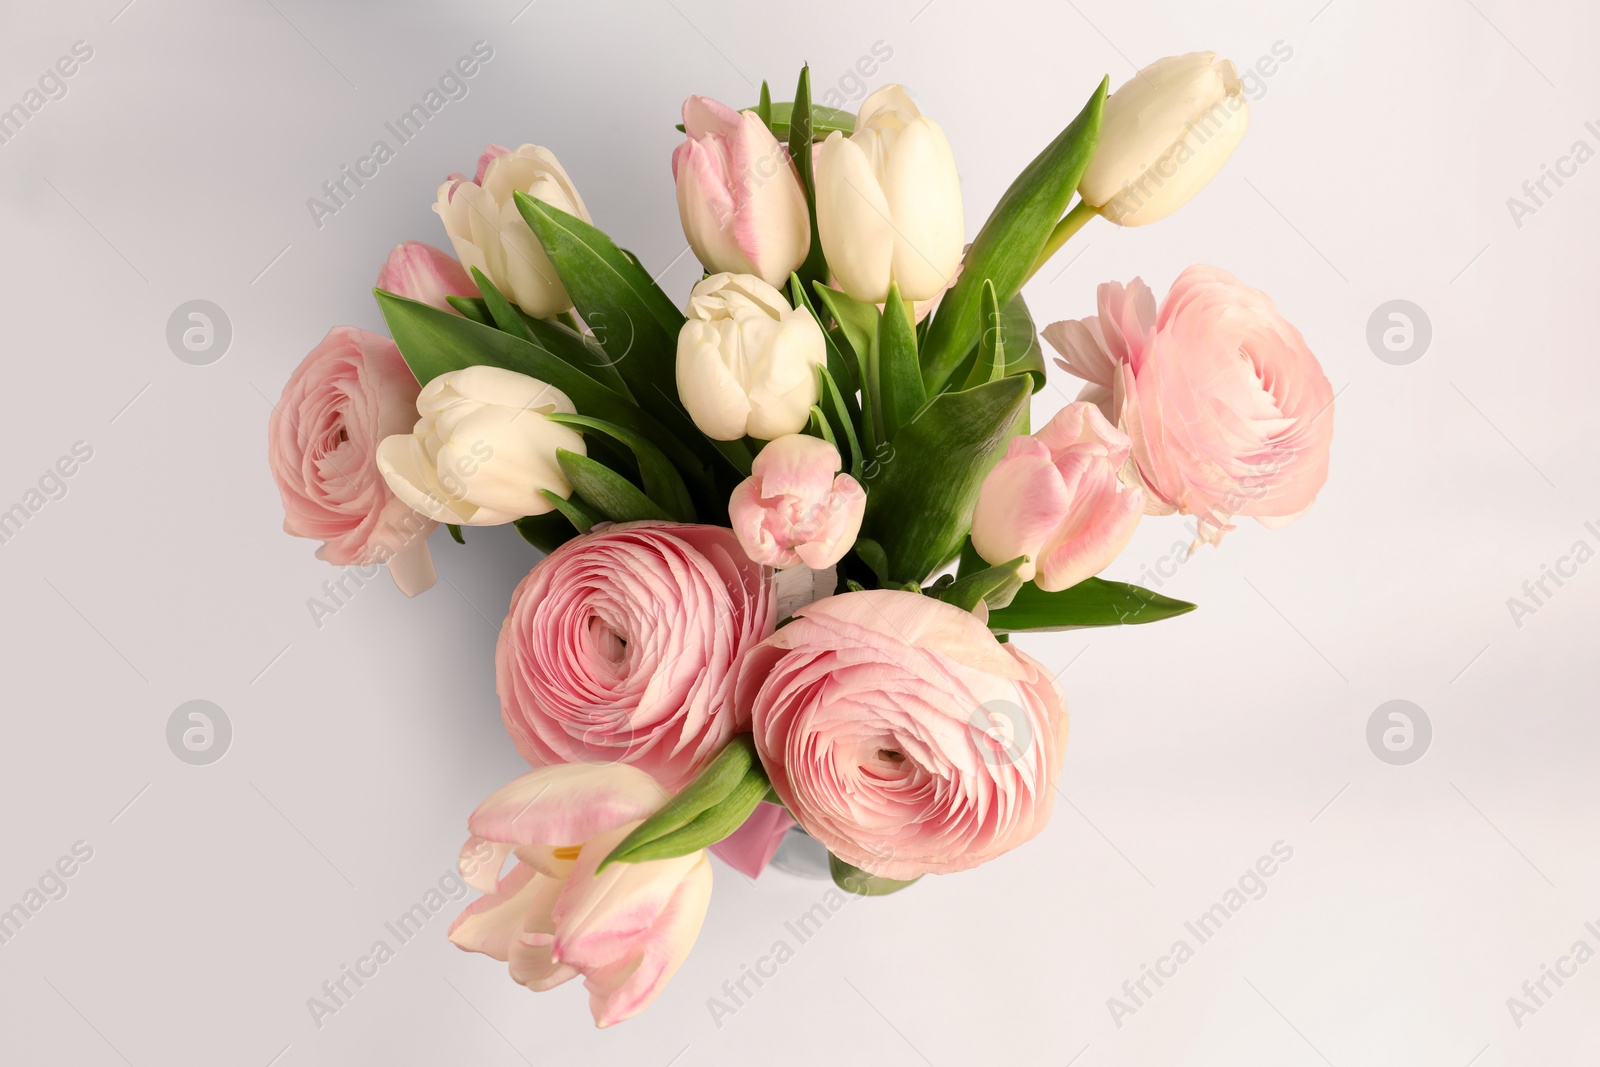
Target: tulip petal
{"points": [[566, 804], [853, 220], [492, 923], [623, 990]]}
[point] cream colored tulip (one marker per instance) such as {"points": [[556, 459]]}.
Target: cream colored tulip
{"points": [[489, 233], [889, 202], [1165, 134], [747, 360], [482, 449]]}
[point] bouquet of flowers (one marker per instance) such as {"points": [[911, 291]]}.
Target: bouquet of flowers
{"points": [[790, 529]]}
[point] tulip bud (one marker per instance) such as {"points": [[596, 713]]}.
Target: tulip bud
{"points": [[489, 233], [482, 448], [747, 360], [739, 196], [1056, 498], [889, 202], [1165, 134], [796, 507], [422, 272]]}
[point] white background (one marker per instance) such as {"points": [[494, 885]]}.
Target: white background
{"points": [[1380, 157]]}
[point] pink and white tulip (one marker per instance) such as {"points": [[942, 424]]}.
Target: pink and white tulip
{"points": [[902, 735], [1056, 498], [347, 395], [739, 195], [621, 647], [796, 507], [422, 272], [1228, 411], [626, 930]]}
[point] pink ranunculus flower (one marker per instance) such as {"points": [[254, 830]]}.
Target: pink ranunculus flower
{"points": [[621, 647], [626, 929], [1056, 498], [796, 507], [349, 393], [739, 196], [1228, 411], [422, 272], [902, 735]]}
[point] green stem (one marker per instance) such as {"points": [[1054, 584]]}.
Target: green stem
{"points": [[1064, 230]]}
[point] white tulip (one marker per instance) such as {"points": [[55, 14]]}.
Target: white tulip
{"points": [[482, 448], [747, 360], [1165, 134], [488, 232], [889, 202]]}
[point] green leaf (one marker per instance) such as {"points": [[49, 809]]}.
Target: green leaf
{"points": [[839, 409], [551, 336], [995, 586], [722, 776], [855, 880], [632, 319], [815, 268], [858, 321], [990, 362], [841, 364], [662, 482], [435, 342], [709, 827], [1020, 339], [824, 120], [473, 307], [920, 497], [873, 556], [764, 107], [616, 498], [1092, 602], [898, 375], [858, 324], [818, 426], [546, 532], [580, 517], [1012, 238], [455, 533]]}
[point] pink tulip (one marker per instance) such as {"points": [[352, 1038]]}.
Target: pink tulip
{"points": [[739, 196], [902, 735], [795, 507], [349, 393], [621, 646], [422, 272], [1228, 411], [1056, 499], [551, 917]]}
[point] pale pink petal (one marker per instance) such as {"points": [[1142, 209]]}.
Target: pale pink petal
{"points": [[566, 804]]}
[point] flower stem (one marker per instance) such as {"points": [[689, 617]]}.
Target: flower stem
{"points": [[1064, 230]]}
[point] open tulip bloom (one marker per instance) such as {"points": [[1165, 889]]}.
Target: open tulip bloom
{"points": [[790, 520]]}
